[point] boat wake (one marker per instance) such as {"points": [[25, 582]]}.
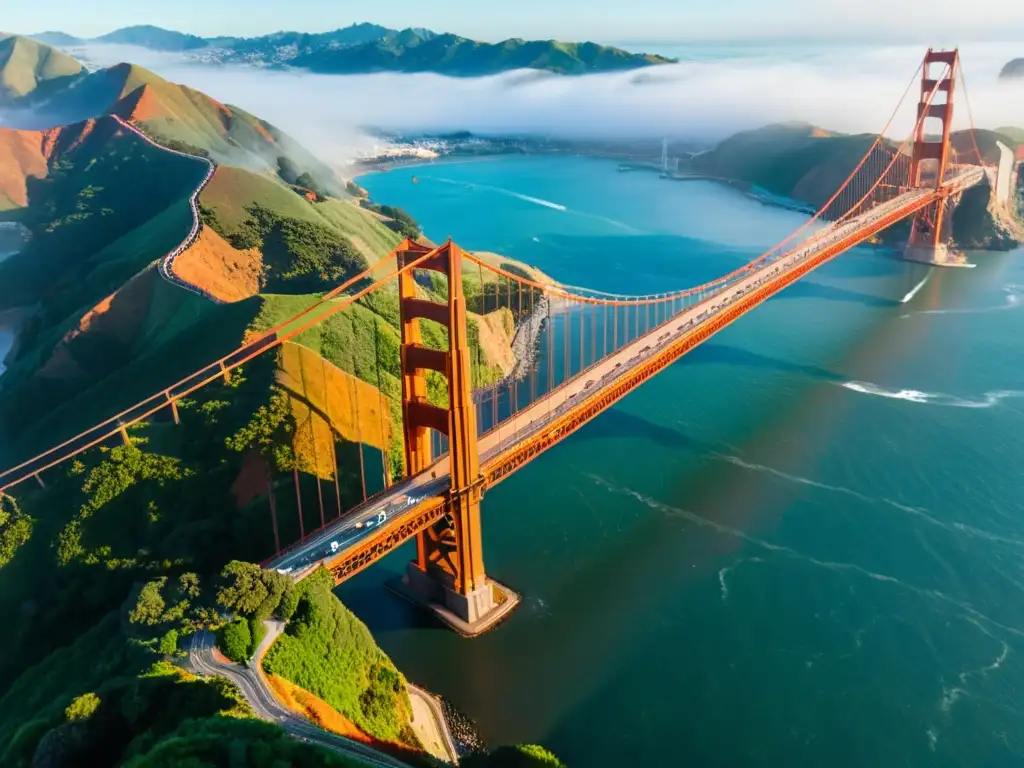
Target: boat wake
{"points": [[503, 191], [988, 400], [915, 289], [1012, 299]]}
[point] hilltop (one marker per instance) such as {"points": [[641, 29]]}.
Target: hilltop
{"points": [[30, 70], [179, 116], [363, 48]]}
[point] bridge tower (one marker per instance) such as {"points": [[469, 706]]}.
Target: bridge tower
{"points": [[929, 232], [448, 573]]}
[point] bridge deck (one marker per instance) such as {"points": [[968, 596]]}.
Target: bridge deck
{"points": [[417, 501]]}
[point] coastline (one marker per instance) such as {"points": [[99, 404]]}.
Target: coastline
{"points": [[743, 187]]}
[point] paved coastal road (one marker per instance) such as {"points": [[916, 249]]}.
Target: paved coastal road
{"points": [[267, 707]]}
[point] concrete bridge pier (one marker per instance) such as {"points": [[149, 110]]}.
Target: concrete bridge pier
{"points": [[935, 254]]}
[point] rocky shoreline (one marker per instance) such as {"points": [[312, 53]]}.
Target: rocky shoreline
{"points": [[464, 730], [525, 347]]}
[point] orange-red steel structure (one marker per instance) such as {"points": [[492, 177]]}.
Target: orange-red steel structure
{"points": [[931, 152]]}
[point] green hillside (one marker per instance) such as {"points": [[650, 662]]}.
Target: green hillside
{"points": [[30, 70], [794, 160], [453, 55]]}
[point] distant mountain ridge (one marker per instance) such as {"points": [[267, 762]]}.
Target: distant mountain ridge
{"points": [[364, 48], [30, 69]]}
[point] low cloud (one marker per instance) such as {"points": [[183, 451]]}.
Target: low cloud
{"points": [[850, 90]]}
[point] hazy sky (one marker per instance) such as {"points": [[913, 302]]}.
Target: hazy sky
{"points": [[602, 20]]}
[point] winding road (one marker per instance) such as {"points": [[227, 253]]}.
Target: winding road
{"points": [[266, 706], [167, 262]]}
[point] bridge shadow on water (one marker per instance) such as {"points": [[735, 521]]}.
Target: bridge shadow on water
{"points": [[808, 289], [725, 354], [618, 424]]}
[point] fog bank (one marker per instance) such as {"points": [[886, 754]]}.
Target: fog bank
{"points": [[844, 89]]}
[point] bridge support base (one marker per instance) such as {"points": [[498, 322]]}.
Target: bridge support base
{"points": [[936, 255], [469, 615]]}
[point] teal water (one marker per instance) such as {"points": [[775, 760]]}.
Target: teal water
{"points": [[803, 544]]}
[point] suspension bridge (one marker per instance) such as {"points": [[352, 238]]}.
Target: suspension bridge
{"points": [[577, 351]]}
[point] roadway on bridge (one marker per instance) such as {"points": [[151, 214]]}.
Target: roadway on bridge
{"points": [[402, 499]]}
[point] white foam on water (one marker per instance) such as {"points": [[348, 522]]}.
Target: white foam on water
{"points": [[723, 572], [1012, 299], [969, 613], [988, 400], [922, 514]]}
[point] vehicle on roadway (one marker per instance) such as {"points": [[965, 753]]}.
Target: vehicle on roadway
{"points": [[380, 519]]}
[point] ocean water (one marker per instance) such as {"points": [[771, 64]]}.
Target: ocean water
{"points": [[803, 544]]}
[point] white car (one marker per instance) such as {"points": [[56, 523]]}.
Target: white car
{"points": [[379, 520]]}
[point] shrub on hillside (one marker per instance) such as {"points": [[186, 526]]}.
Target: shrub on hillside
{"points": [[82, 707], [235, 640], [15, 529], [298, 256]]}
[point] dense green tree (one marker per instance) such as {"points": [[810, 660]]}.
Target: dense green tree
{"points": [[169, 643], [15, 529], [243, 589], [149, 605], [235, 640], [82, 707]]}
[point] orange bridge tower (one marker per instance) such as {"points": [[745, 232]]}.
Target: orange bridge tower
{"points": [[930, 229], [448, 573]]}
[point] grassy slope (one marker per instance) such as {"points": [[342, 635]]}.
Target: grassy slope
{"points": [[330, 653], [27, 66], [21, 158], [782, 158]]}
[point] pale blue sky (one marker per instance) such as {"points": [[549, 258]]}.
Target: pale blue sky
{"points": [[601, 20]]}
